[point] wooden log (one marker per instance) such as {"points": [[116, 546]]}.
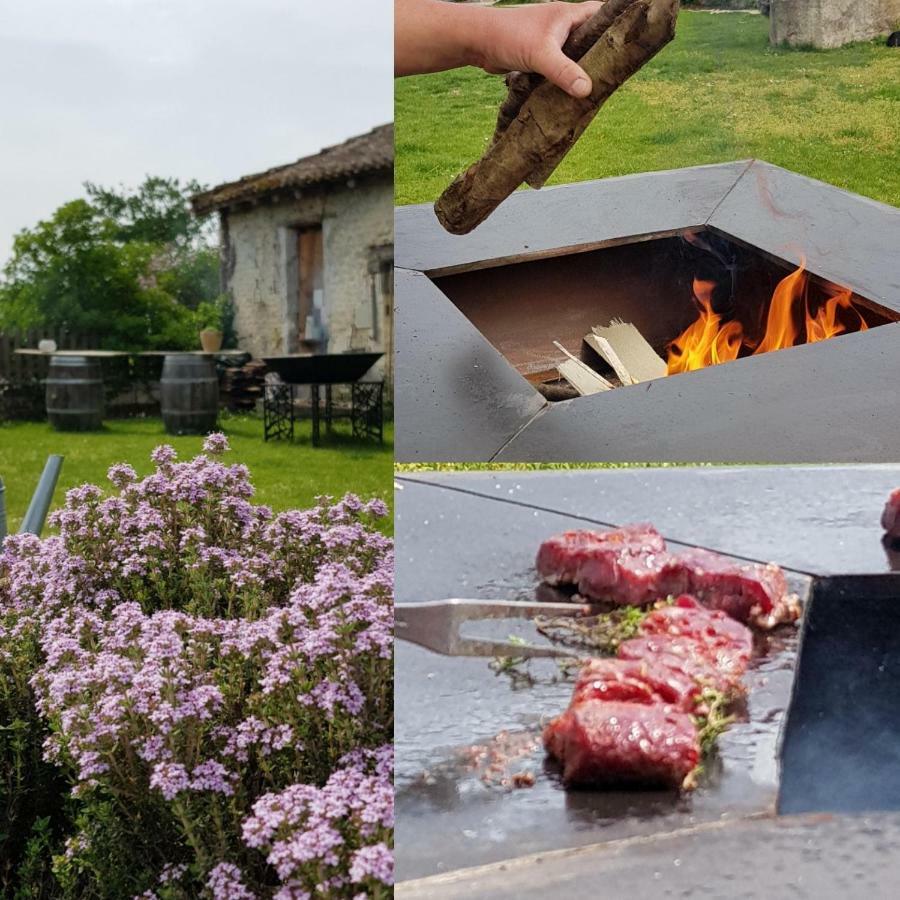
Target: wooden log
{"points": [[521, 84], [550, 121], [557, 391]]}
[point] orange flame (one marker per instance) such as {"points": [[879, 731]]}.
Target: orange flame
{"points": [[708, 341], [825, 323]]}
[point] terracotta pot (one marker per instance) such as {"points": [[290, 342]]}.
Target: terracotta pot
{"points": [[211, 340]]}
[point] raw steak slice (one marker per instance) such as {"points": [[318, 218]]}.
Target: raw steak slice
{"points": [[631, 580], [719, 669], [749, 592], [631, 567], [686, 618], [603, 743], [890, 518], [635, 681], [560, 558]]}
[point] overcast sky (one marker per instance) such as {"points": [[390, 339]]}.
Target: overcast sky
{"points": [[111, 90]]}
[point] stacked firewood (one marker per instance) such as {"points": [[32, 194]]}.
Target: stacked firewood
{"points": [[242, 386]]}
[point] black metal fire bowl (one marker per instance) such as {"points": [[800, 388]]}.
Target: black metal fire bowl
{"points": [[833, 401], [322, 368], [475, 534]]}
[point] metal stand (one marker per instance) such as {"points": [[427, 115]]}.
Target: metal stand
{"points": [[315, 398], [278, 412], [366, 412]]}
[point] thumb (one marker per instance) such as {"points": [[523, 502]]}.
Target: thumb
{"points": [[565, 73]]}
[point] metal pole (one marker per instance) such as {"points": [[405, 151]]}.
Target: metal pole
{"points": [[33, 523], [2, 511]]}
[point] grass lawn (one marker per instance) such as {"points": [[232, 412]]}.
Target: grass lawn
{"points": [[718, 92], [285, 475]]}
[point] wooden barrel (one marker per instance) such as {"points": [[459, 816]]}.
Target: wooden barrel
{"points": [[189, 393], [74, 394]]}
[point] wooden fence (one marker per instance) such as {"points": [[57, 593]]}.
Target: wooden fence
{"points": [[18, 369], [22, 375]]}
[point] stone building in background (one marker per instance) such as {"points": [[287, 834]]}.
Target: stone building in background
{"points": [[307, 251], [831, 23]]}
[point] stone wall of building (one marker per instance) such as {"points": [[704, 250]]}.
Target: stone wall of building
{"points": [[831, 23], [260, 268]]}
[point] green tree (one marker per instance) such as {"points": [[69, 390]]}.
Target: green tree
{"points": [[157, 212], [128, 267]]}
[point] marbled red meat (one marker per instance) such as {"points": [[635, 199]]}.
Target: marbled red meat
{"points": [[604, 743], [629, 720], [686, 618], [636, 681], [890, 518], [631, 580], [560, 558], [719, 669], [749, 592], [631, 566]]}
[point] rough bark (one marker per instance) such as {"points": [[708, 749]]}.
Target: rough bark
{"points": [[521, 84], [550, 121]]}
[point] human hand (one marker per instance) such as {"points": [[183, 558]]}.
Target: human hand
{"points": [[530, 39]]}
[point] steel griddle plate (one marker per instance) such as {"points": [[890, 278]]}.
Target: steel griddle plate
{"points": [[457, 542]]}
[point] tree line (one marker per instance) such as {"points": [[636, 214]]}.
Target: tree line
{"points": [[134, 266]]}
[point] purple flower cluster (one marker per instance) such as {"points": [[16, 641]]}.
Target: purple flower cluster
{"points": [[195, 650], [303, 828]]}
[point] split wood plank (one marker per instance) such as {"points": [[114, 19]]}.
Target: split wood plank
{"points": [[580, 375], [603, 348], [639, 360]]}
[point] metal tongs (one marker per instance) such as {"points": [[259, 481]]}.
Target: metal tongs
{"points": [[435, 625]]}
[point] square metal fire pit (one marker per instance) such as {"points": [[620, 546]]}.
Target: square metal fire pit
{"points": [[471, 310]]}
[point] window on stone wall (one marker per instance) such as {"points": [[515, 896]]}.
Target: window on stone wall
{"points": [[311, 273]]}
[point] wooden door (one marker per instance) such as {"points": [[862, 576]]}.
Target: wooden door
{"points": [[311, 271]]}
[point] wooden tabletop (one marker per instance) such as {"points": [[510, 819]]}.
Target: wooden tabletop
{"points": [[92, 353], [101, 354], [190, 352]]}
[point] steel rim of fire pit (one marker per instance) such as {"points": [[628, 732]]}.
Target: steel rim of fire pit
{"points": [[465, 402]]}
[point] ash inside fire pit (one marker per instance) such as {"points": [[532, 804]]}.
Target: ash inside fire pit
{"points": [[696, 298]]}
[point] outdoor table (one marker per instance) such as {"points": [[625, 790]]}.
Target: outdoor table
{"points": [[317, 371]]}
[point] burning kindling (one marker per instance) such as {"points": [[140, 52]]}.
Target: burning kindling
{"points": [[792, 319], [800, 311], [621, 346]]}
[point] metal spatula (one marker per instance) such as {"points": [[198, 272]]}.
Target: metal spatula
{"points": [[435, 625]]}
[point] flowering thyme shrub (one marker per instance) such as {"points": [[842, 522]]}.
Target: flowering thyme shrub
{"points": [[215, 680]]}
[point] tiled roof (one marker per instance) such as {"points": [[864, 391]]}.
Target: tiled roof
{"points": [[361, 155]]}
